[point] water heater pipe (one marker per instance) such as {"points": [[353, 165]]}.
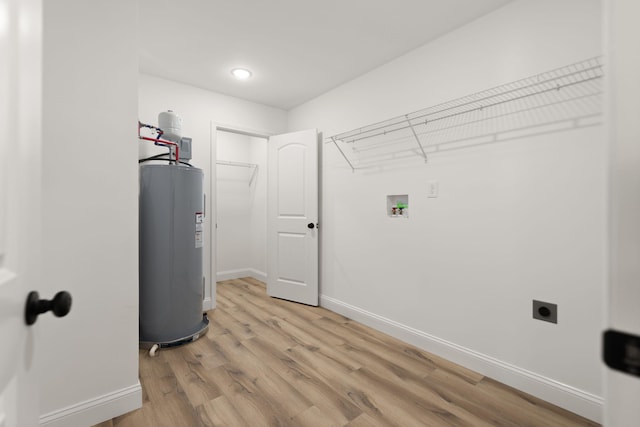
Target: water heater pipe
{"points": [[163, 142], [159, 141]]}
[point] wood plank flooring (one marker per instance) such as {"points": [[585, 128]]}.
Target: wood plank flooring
{"points": [[269, 362]]}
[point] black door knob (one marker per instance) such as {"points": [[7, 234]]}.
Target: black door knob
{"points": [[311, 225], [60, 305]]}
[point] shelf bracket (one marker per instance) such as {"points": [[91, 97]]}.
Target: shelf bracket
{"points": [[253, 174], [417, 139], [343, 155]]}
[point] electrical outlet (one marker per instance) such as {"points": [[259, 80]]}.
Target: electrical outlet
{"points": [[432, 189], [545, 311]]}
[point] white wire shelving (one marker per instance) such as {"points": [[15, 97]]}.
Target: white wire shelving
{"points": [[252, 166], [564, 98]]}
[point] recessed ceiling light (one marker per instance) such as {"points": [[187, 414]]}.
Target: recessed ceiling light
{"points": [[241, 73]]}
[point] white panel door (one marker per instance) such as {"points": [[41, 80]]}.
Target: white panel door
{"points": [[292, 210], [20, 103], [622, 390]]}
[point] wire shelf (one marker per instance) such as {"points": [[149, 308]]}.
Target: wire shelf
{"points": [[252, 166], [567, 97]]}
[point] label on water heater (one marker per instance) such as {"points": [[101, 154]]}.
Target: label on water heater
{"points": [[199, 235]]}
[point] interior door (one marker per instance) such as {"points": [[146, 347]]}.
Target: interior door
{"points": [[622, 384], [20, 101], [292, 211]]}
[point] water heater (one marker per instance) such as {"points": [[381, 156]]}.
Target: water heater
{"points": [[171, 238]]}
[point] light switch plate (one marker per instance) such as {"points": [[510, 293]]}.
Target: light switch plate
{"points": [[432, 189]]}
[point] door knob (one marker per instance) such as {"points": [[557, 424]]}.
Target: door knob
{"points": [[60, 305], [311, 225]]}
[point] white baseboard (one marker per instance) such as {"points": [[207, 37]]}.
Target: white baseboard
{"points": [[258, 275], [207, 304], [232, 274], [97, 410], [577, 401], [239, 273]]}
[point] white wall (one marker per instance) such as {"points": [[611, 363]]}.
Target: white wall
{"points": [[233, 205], [198, 108], [258, 218], [88, 361], [240, 207], [515, 221]]}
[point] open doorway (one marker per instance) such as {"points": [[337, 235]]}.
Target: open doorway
{"points": [[240, 183], [274, 238]]}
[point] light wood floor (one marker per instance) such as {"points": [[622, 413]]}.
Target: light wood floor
{"points": [[269, 362]]}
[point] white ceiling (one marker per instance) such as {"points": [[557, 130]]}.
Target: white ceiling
{"points": [[296, 49]]}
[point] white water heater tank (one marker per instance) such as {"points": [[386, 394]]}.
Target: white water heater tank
{"points": [[171, 125]]}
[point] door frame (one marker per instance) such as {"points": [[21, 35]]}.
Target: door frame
{"points": [[623, 206], [211, 199], [21, 204]]}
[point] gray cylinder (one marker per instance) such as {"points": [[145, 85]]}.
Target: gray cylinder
{"points": [[171, 240]]}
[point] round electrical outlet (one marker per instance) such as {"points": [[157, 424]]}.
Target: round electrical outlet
{"points": [[544, 311]]}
